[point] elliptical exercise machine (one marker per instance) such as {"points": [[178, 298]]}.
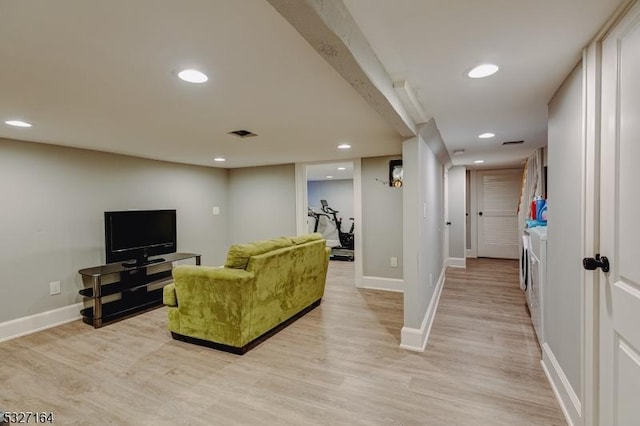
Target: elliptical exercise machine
{"points": [[345, 250], [316, 217]]}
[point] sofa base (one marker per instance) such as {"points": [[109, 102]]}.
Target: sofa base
{"points": [[252, 344]]}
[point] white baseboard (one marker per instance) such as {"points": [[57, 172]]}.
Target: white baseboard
{"points": [[414, 339], [469, 253], [27, 325], [379, 283], [457, 262], [566, 396]]}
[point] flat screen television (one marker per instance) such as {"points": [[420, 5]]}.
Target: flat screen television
{"points": [[134, 235]]}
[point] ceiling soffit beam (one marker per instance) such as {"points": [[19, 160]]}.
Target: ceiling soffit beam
{"points": [[410, 101], [431, 135], [329, 28]]}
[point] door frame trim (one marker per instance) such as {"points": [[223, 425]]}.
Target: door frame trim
{"points": [[301, 207], [475, 200], [473, 212], [592, 91], [592, 65]]}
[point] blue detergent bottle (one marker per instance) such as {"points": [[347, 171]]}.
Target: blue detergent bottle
{"points": [[541, 210]]}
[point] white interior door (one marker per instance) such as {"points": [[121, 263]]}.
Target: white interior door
{"points": [[619, 228], [498, 197], [445, 246]]}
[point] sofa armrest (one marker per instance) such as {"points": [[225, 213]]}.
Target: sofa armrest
{"points": [[196, 284], [214, 304], [169, 295]]}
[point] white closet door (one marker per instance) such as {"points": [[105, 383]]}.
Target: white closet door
{"points": [[619, 229], [498, 197]]}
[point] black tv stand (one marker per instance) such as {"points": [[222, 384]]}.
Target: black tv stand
{"points": [[142, 262], [131, 283]]}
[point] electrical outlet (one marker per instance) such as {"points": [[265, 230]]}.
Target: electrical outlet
{"points": [[216, 210], [54, 287], [394, 262]]}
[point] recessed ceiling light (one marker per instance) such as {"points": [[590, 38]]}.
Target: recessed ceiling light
{"points": [[478, 161], [193, 76], [329, 177], [220, 159], [342, 168], [486, 135], [18, 123], [483, 70], [344, 146]]}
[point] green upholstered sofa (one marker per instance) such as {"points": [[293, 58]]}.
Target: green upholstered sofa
{"points": [[262, 286]]}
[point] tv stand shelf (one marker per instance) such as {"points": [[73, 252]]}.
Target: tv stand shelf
{"points": [[131, 283]]}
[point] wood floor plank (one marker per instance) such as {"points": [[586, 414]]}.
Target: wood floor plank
{"points": [[338, 365]]}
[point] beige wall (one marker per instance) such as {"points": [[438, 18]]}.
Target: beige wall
{"points": [[457, 209], [52, 215], [423, 211], [381, 220], [262, 202], [563, 293]]}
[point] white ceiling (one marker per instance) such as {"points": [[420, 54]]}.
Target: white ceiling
{"points": [[323, 171], [101, 75], [433, 43]]}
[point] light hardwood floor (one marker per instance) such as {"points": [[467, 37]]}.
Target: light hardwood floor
{"points": [[338, 365]]}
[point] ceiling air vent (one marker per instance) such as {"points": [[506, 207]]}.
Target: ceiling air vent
{"points": [[243, 133], [512, 143]]}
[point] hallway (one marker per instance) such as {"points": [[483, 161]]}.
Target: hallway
{"points": [[483, 348]]}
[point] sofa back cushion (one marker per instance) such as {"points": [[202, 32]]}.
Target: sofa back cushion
{"points": [[287, 280], [301, 239], [239, 254]]}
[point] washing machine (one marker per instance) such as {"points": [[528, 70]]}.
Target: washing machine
{"points": [[537, 277], [524, 260]]}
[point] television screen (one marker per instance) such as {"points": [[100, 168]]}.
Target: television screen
{"points": [[138, 234]]}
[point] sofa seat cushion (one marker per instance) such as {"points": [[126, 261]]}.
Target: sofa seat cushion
{"points": [[239, 254]]}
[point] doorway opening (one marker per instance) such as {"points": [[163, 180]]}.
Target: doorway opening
{"points": [[341, 192]]}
